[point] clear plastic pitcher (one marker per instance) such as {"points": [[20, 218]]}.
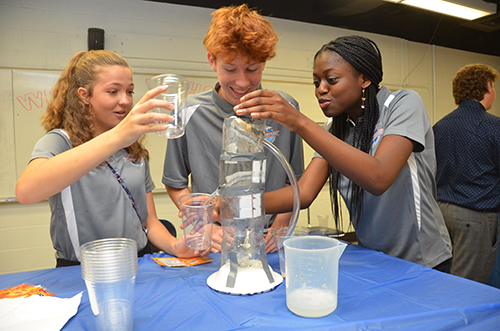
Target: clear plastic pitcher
{"points": [[312, 270]]}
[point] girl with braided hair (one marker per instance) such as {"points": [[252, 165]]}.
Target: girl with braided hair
{"points": [[91, 165], [377, 150]]}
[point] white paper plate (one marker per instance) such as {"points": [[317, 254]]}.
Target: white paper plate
{"points": [[249, 281]]}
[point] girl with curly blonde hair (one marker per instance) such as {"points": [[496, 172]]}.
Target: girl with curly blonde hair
{"points": [[91, 165]]}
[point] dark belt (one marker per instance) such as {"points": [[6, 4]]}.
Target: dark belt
{"points": [[478, 210]]}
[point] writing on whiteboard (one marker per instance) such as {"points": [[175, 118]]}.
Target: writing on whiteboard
{"points": [[197, 88], [30, 100]]}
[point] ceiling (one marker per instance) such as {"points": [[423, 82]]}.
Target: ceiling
{"points": [[378, 16]]}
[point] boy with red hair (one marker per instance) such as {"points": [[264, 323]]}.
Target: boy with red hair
{"points": [[239, 43]]}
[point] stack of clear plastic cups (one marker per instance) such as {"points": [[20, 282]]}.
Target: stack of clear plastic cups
{"points": [[109, 267]]}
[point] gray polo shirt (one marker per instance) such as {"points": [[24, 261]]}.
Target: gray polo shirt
{"points": [[197, 153], [96, 206], [405, 221]]}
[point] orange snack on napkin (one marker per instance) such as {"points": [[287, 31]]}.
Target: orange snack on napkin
{"points": [[23, 291]]}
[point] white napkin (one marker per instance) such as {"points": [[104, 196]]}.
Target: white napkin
{"points": [[37, 313]]}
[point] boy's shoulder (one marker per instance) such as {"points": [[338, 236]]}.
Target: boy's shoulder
{"points": [[203, 97]]}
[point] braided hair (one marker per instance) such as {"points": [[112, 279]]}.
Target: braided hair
{"points": [[364, 56]]}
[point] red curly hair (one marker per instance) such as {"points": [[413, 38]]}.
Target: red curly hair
{"points": [[236, 30], [471, 82]]}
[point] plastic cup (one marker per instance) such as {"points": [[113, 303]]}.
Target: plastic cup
{"points": [[109, 267], [197, 218], [323, 223], [176, 94], [312, 269], [279, 236]]}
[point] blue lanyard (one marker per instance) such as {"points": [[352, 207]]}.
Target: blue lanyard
{"points": [[131, 198]]}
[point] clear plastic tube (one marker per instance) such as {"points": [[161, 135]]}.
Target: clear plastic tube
{"points": [[293, 182]]}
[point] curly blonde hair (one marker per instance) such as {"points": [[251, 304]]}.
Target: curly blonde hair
{"points": [[66, 110], [471, 82], [238, 30]]}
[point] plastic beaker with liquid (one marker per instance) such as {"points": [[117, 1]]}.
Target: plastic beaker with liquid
{"points": [[312, 270]]}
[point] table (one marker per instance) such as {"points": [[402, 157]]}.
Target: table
{"points": [[376, 292]]}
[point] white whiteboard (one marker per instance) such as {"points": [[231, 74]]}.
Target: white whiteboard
{"points": [[31, 93], [7, 148]]}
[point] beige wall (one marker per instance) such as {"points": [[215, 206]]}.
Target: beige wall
{"points": [[159, 38]]}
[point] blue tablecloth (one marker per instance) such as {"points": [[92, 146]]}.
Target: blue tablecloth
{"points": [[376, 292]]}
